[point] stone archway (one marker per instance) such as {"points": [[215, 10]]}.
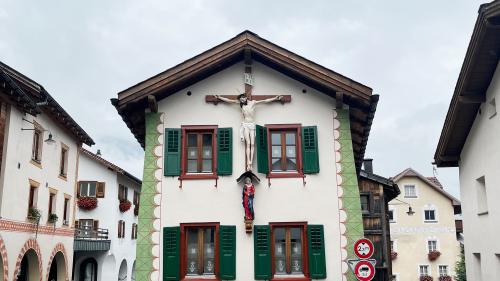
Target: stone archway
{"points": [[4, 262], [60, 267], [122, 272], [30, 259]]}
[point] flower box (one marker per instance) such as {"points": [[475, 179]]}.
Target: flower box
{"points": [[53, 218], [426, 278], [87, 203], [433, 255], [394, 255], [125, 205], [34, 214], [445, 278]]}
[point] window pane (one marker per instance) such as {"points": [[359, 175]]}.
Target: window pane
{"points": [[192, 153], [207, 166], [207, 140], [192, 166], [92, 188], [391, 215], [192, 251], [276, 151], [279, 250], [290, 151], [364, 203], [276, 164], [296, 244], [84, 189], [207, 152], [209, 260], [276, 138], [291, 164], [290, 138], [192, 140]]}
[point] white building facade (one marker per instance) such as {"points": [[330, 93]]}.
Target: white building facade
{"points": [[192, 221], [39, 163], [469, 140], [106, 234], [424, 243]]}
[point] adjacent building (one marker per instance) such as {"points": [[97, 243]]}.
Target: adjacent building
{"points": [[311, 126], [106, 220], [39, 151], [422, 218], [469, 140], [375, 194]]}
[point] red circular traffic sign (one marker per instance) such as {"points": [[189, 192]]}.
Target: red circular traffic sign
{"points": [[364, 271], [363, 248]]}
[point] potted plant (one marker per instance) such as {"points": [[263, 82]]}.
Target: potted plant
{"points": [[394, 255], [53, 218], [433, 255], [136, 210], [34, 214], [87, 203], [426, 278], [125, 205], [445, 278]]}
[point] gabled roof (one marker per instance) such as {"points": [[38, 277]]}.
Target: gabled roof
{"points": [[432, 183], [478, 68], [109, 165], [132, 102], [30, 97], [390, 187]]}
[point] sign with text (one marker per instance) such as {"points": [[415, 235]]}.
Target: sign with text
{"points": [[363, 248]]}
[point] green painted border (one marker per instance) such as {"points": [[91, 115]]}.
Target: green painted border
{"points": [[350, 196], [144, 254]]}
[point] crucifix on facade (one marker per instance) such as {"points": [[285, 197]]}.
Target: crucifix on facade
{"points": [[247, 103]]}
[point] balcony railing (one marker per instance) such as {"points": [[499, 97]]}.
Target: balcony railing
{"points": [[90, 233]]}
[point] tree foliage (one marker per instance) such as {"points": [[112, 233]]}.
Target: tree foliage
{"points": [[460, 266]]}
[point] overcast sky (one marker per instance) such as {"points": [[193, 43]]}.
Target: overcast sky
{"points": [[409, 52]]}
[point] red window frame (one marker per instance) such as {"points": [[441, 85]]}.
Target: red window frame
{"points": [[305, 257], [183, 247], [198, 129], [285, 127]]}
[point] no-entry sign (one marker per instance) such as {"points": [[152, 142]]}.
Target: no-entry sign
{"points": [[364, 270], [363, 248]]}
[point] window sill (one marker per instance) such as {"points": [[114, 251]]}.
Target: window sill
{"points": [[482, 213], [430, 221], [198, 177], [200, 278], [63, 177], [290, 278], [36, 163], [411, 197], [273, 175]]}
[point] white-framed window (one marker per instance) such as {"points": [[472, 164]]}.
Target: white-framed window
{"points": [[395, 276], [410, 191], [88, 188], [392, 214], [443, 270], [424, 270], [481, 196], [432, 245], [430, 213], [394, 245]]}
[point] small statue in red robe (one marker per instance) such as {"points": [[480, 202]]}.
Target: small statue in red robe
{"points": [[248, 194]]}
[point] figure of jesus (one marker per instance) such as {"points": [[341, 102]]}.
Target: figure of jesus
{"points": [[247, 128]]}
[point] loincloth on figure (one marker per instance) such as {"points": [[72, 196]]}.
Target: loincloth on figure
{"points": [[246, 125]]}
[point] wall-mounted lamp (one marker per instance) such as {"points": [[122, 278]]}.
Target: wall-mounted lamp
{"points": [[50, 140], [410, 209]]}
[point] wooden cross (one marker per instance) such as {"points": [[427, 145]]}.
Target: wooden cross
{"points": [[248, 91]]}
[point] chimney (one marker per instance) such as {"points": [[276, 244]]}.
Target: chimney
{"points": [[99, 153], [368, 166]]}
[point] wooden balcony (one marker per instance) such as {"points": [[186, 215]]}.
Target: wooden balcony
{"points": [[91, 239]]}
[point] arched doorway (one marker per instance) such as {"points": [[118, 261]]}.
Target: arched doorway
{"points": [[122, 273], [4, 268], [57, 271], [29, 268], [88, 270], [132, 278]]}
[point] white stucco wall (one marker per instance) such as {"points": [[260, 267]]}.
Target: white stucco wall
{"points": [[16, 172], [410, 233], [108, 214], [479, 158], [286, 200]]}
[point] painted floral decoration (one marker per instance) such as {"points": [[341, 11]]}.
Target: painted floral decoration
{"points": [[426, 278], [445, 278], [394, 255], [433, 255], [87, 203], [125, 205]]}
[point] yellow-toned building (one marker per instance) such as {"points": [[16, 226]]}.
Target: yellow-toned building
{"points": [[423, 234]]}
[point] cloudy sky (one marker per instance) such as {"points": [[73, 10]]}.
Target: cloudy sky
{"points": [[409, 52]]}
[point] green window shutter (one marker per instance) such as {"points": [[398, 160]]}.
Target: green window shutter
{"points": [[261, 143], [262, 252], [227, 252], [224, 151], [172, 161], [310, 156], [171, 251], [316, 249]]}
